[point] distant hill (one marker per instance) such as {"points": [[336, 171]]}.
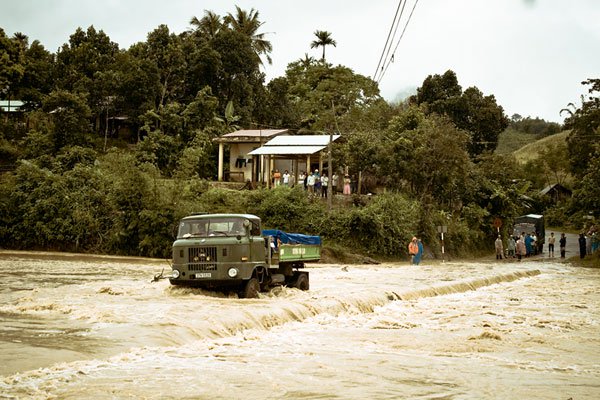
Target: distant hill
{"points": [[525, 146], [511, 140], [531, 150]]}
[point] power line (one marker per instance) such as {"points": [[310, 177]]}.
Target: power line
{"points": [[395, 22], [398, 43], [391, 59]]}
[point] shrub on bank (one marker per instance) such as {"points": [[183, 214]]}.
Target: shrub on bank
{"points": [[119, 206]]}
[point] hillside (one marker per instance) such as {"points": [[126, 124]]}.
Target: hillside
{"points": [[531, 150], [511, 140]]}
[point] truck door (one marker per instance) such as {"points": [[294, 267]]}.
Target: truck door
{"points": [[257, 243]]}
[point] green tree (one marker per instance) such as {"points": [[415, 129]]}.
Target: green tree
{"points": [[239, 78], [208, 26], [318, 88], [586, 196], [70, 118], [535, 126], [555, 160], [282, 111], [165, 50], [323, 39], [138, 86], [200, 113], [429, 158], [37, 78], [83, 65], [11, 65], [497, 185], [585, 129], [198, 159], [470, 110], [247, 23]]}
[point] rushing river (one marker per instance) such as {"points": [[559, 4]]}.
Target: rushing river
{"points": [[74, 327]]}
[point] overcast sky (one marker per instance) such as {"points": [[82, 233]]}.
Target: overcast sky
{"points": [[531, 54]]}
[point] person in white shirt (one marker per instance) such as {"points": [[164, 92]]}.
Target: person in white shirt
{"points": [[286, 178], [310, 183], [324, 184]]}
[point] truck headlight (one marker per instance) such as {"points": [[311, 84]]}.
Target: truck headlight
{"points": [[232, 272], [175, 274]]}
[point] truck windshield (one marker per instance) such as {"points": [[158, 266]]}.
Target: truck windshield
{"points": [[210, 227]]}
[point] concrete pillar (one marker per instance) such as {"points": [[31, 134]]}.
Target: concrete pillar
{"points": [[321, 163], [220, 170], [295, 171], [270, 174]]}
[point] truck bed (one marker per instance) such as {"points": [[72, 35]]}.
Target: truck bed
{"points": [[299, 252]]}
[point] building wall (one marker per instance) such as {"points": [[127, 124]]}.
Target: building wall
{"points": [[241, 171]]}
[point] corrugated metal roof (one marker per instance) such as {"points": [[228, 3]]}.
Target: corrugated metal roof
{"points": [[255, 133], [294, 145], [301, 140], [286, 150], [249, 136]]}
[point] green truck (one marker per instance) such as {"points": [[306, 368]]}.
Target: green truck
{"points": [[228, 252]]}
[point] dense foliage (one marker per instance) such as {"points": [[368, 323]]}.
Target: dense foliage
{"points": [[534, 126], [112, 146]]}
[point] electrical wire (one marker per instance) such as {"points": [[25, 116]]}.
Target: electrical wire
{"points": [[397, 43], [395, 23]]}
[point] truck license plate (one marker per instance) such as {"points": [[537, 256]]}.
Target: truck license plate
{"points": [[203, 275]]}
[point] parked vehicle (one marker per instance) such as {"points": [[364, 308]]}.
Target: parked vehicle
{"points": [[530, 224], [230, 252]]}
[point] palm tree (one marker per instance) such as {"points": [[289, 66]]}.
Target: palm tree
{"points": [[323, 39], [209, 25], [22, 39], [307, 61], [247, 23]]}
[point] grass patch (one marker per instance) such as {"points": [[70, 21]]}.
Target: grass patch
{"points": [[511, 140], [590, 261], [531, 151]]}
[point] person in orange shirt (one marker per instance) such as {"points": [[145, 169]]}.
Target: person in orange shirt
{"points": [[277, 178], [413, 249]]}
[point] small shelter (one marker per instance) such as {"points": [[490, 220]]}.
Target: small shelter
{"points": [[556, 192], [296, 149], [11, 106], [242, 166]]}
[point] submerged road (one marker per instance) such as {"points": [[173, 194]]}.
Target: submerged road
{"points": [[95, 327]]}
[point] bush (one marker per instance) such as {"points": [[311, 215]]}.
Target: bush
{"points": [[288, 209], [384, 226]]}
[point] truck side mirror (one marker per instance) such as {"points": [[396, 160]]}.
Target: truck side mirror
{"points": [[246, 224]]}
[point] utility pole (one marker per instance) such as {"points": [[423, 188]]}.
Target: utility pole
{"points": [[330, 162]]}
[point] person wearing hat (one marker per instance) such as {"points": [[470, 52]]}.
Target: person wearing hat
{"points": [[317, 182], [413, 249]]}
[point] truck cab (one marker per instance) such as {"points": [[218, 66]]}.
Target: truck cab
{"points": [[230, 252]]}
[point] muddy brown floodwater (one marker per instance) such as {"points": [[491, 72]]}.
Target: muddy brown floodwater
{"points": [[74, 327]]}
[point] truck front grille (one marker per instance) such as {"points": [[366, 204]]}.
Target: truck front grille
{"points": [[202, 267], [202, 258]]}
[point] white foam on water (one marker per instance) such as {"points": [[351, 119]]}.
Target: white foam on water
{"points": [[361, 331]]}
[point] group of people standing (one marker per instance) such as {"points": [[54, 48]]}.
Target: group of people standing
{"points": [[278, 179], [313, 182], [527, 245], [589, 242]]}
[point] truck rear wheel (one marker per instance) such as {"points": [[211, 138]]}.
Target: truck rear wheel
{"points": [[302, 282], [251, 289]]}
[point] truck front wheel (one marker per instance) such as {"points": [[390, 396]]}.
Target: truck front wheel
{"points": [[251, 289], [302, 282]]}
